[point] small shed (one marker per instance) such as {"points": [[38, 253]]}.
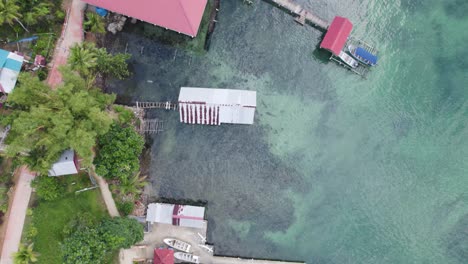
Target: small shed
{"points": [[183, 16], [10, 67], [337, 35], [163, 256], [175, 214], [66, 165], [210, 106], [39, 60]]}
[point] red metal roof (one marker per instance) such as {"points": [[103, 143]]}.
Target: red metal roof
{"points": [[183, 16], [337, 34], [163, 256]]}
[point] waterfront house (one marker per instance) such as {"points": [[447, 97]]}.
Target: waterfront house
{"points": [[337, 35], [208, 106], [182, 16], [10, 67], [67, 164], [175, 214]]}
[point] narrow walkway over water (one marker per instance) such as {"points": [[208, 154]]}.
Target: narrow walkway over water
{"points": [[302, 14]]}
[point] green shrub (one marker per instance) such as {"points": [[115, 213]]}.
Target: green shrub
{"points": [[48, 188], [31, 232], [126, 116], [125, 208], [90, 245], [119, 152]]}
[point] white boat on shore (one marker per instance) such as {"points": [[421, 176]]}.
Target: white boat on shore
{"points": [[187, 257], [178, 244]]}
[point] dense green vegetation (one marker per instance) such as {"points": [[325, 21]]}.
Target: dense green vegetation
{"points": [[19, 18], [89, 60], [46, 122], [6, 175], [53, 221], [91, 244], [94, 23], [118, 153], [48, 188]]}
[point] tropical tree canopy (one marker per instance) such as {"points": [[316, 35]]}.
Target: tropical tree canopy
{"points": [[94, 23], [90, 245], [132, 185], [89, 60], [118, 152], [45, 122], [25, 255], [9, 11]]}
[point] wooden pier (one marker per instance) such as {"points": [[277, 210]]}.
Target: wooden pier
{"points": [[302, 15], [151, 126], [157, 105]]}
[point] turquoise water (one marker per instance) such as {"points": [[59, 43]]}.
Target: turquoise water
{"points": [[336, 169]]}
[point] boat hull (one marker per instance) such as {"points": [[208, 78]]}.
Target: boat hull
{"points": [[352, 51], [178, 244], [186, 257]]}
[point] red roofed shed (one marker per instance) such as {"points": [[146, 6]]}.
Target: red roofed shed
{"points": [[163, 256], [337, 34], [183, 16]]}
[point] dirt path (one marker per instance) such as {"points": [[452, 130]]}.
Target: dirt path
{"points": [[17, 215], [106, 194], [72, 32]]}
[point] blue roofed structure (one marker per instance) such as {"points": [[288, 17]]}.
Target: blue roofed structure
{"points": [[10, 67], [364, 54]]}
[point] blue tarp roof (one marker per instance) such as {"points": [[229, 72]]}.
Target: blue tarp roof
{"points": [[101, 11], [366, 55]]}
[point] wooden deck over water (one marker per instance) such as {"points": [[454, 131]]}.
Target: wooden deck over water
{"points": [[302, 15]]}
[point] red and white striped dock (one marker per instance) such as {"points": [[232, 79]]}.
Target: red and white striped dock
{"points": [[208, 106]]}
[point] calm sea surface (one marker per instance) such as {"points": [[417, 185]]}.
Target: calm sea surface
{"points": [[336, 169]]}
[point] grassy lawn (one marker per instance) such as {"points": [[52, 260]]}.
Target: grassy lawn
{"points": [[50, 218]]}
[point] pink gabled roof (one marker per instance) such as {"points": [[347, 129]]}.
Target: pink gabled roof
{"points": [[183, 16], [163, 256], [337, 34]]}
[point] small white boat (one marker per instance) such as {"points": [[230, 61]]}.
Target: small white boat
{"points": [[186, 257], [348, 60], [178, 244]]}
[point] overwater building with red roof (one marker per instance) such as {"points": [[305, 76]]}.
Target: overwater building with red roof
{"points": [[183, 16]]}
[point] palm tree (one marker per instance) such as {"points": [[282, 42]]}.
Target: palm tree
{"points": [[25, 255], [132, 185], [37, 13], [9, 12], [95, 23], [82, 59]]}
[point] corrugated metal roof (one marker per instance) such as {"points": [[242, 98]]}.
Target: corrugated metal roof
{"points": [[182, 215], [10, 67], [65, 165], [183, 16], [163, 256], [337, 34], [210, 106]]}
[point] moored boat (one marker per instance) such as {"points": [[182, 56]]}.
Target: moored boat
{"points": [[348, 60], [362, 55], [186, 257], [178, 244]]}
